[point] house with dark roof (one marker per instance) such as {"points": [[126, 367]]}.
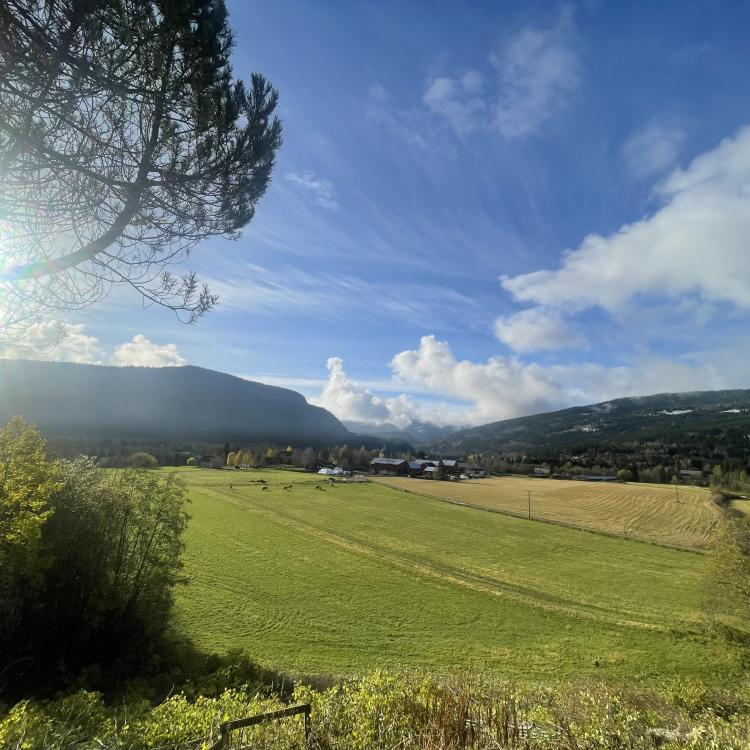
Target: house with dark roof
{"points": [[416, 468], [452, 466], [393, 467], [472, 470]]}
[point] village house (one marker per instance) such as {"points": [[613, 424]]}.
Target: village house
{"points": [[471, 470], [393, 467], [451, 466], [416, 468]]}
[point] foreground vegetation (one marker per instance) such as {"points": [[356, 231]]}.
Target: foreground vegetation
{"points": [[352, 576], [679, 516], [88, 562], [407, 711]]}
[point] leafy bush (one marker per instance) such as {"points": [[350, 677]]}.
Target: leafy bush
{"points": [[407, 711], [89, 561], [143, 460]]}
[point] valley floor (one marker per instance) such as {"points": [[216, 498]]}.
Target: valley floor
{"points": [[346, 578], [680, 516]]}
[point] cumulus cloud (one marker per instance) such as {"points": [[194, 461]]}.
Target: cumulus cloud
{"points": [[652, 150], [504, 387], [536, 329], [694, 246], [499, 388], [535, 74], [140, 352], [646, 374], [321, 189], [348, 400], [352, 401], [56, 340]]}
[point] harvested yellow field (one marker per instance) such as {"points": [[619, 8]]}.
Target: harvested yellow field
{"points": [[652, 512]]}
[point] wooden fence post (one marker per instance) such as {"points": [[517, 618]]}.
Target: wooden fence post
{"points": [[228, 726]]}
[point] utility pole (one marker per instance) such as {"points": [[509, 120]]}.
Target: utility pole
{"points": [[529, 491]]}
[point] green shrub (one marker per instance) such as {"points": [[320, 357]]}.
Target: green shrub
{"points": [[143, 460], [406, 711]]}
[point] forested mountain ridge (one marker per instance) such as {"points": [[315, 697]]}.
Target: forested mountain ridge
{"points": [[168, 403], [706, 419]]}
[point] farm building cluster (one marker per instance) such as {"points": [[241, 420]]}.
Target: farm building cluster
{"points": [[424, 468]]}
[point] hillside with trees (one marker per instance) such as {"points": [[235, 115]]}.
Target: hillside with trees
{"points": [[168, 403], [698, 429]]}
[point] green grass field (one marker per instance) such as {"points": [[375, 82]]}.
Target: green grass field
{"points": [[682, 517], [357, 576]]}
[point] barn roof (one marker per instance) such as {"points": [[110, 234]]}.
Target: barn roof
{"points": [[388, 461]]}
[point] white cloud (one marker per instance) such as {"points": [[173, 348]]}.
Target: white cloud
{"points": [[58, 341], [695, 246], [253, 288], [536, 329], [499, 388], [140, 352], [653, 149], [539, 71], [587, 382], [321, 189], [352, 401], [456, 101], [535, 74], [503, 387]]}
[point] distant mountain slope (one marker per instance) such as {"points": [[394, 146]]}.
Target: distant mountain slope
{"points": [[666, 417], [416, 433], [170, 403]]}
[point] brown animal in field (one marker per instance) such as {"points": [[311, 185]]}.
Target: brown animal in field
{"points": [[264, 488]]}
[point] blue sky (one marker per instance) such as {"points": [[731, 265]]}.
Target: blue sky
{"points": [[480, 210]]}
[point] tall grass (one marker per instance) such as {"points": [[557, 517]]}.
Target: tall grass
{"points": [[407, 711]]}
